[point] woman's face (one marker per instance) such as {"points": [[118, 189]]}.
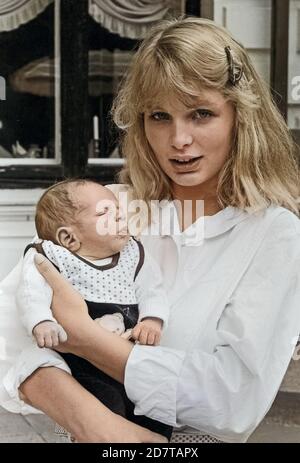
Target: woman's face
{"points": [[191, 145]]}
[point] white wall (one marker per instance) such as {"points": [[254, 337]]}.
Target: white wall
{"points": [[294, 64], [249, 21], [17, 208]]}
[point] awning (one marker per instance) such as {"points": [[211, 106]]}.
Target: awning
{"points": [[106, 69], [128, 18]]}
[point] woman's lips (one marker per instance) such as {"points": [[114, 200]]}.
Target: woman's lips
{"points": [[189, 166]]}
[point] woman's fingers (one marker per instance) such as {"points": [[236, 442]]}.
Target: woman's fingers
{"points": [[128, 432], [159, 439], [65, 297], [52, 275], [154, 438]]}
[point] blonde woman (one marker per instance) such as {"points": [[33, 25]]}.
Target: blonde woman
{"points": [[200, 128]]}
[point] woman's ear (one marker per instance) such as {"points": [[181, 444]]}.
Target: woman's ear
{"points": [[66, 237]]}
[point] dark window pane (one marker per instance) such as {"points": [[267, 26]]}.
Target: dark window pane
{"points": [[27, 116], [109, 56]]}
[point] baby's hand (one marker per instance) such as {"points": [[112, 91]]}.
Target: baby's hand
{"points": [[148, 331], [49, 334]]}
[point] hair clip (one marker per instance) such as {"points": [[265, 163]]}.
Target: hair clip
{"points": [[235, 71]]}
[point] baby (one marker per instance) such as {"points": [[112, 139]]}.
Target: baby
{"points": [[85, 236]]}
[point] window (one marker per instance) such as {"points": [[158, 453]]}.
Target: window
{"points": [[28, 116], [30, 108], [60, 62]]}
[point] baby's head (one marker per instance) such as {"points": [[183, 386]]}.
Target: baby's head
{"points": [[82, 216]]}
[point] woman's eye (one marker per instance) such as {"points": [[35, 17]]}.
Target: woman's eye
{"points": [[159, 116], [202, 114]]}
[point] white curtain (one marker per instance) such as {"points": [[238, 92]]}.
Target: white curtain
{"points": [[130, 18], [14, 13]]}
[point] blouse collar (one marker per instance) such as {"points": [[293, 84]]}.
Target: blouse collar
{"points": [[206, 227]]}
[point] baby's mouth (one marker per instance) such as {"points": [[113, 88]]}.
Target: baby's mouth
{"points": [[123, 232]]}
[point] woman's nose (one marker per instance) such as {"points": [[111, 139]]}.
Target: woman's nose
{"points": [[181, 135]]}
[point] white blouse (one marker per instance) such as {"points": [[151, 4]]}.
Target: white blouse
{"points": [[234, 322]]}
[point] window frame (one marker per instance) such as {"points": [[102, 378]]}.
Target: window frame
{"points": [[72, 121]]}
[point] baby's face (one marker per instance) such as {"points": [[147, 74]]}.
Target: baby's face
{"points": [[100, 225]]}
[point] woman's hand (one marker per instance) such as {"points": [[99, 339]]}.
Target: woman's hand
{"points": [[68, 306], [116, 429]]}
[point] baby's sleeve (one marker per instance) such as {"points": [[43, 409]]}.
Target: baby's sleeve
{"points": [[34, 295], [150, 293]]}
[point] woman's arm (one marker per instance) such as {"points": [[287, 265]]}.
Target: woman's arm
{"points": [[60, 396], [63, 399]]}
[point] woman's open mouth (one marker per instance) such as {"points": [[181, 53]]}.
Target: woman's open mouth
{"points": [[186, 165]]}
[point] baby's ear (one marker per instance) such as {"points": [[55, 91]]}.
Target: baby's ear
{"points": [[66, 237]]}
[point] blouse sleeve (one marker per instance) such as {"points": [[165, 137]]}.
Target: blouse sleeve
{"points": [[150, 294], [227, 392]]}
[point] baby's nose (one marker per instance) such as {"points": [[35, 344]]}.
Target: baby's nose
{"points": [[121, 216]]}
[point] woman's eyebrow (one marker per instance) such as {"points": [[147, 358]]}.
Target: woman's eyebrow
{"points": [[196, 105], [205, 102], [156, 108]]}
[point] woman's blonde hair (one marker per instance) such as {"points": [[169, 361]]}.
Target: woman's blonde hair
{"points": [[182, 57]]}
